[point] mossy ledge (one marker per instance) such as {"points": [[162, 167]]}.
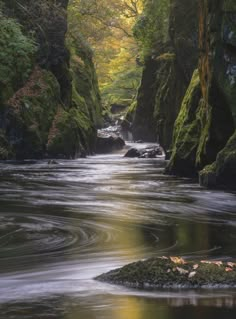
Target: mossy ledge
{"points": [[173, 272]]}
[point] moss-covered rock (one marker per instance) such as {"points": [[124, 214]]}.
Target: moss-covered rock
{"points": [[53, 110], [187, 131], [47, 20], [84, 77], [71, 135], [30, 112], [216, 112], [216, 79], [167, 44], [223, 171], [173, 272]]}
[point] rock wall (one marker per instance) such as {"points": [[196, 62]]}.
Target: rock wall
{"points": [[50, 104], [217, 103], [170, 56]]}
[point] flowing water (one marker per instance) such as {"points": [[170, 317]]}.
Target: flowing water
{"points": [[62, 225]]}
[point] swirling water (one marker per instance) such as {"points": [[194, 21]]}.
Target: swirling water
{"points": [[61, 225]]}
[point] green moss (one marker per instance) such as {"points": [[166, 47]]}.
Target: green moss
{"points": [[31, 113], [5, 150], [163, 272], [207, 177], [229, 5], [186, 132], [170, 56], [16, 57], [223, 171], [152, 26], [129, 116], [84, 77], [72, 134]]}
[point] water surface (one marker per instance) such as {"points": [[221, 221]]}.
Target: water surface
{"points": [[62, 225]]}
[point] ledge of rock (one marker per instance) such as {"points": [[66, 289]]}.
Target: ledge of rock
{"points": [[173, 272], [145, 152], [108, 142]]}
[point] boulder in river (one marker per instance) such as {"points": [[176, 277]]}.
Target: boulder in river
{"points": [[146, 152], [108, 142], [173, 272]]}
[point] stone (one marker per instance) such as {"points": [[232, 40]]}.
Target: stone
{"points": [[108, 143], [156, 273], [146, 152]]}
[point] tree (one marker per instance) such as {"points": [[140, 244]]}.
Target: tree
{"points": [[107, 26]]}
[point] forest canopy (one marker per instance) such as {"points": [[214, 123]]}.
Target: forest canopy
{"points": [[107, 26]]}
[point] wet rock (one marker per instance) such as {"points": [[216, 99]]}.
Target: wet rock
{"points": [[117, 108], [108, 142], [173, 272], [147, 152], [133, 152], [52, 162]]}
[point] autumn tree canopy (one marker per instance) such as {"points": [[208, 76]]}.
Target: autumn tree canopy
{"points": [[107, 25]]}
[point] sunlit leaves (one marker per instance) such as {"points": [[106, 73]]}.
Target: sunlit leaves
{"points": [[177, 260], [107, 26]]}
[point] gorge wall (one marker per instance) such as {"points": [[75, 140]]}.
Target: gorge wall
{"points": [[187, 97], [167, 33], [206, 121], [49, 98]]}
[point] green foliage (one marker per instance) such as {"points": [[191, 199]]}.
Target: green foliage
{"points": [[16, 56], [124, 89], [151, 29]]}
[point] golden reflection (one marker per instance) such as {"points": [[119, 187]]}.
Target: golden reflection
{"points": [[193, 237], [136, 308]]}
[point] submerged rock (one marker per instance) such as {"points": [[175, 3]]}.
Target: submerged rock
{"points": [[173, 272], [108, 142], [147, 152]]}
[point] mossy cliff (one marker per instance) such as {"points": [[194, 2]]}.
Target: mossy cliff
{"points": [[214, 116], [49, 98], [169, 49]]}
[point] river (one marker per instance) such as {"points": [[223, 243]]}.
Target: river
{"points": [[62, 225]]}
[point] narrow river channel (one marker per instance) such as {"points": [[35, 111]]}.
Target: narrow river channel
{"points": [[62, 225]]}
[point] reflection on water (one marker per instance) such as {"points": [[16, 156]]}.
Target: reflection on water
{"points": [[62, 225]]}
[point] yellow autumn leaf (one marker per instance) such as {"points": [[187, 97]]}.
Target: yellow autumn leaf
{"points": [[178, 260]]}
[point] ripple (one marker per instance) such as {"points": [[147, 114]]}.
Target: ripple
{"points": [[61, 226]]}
